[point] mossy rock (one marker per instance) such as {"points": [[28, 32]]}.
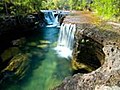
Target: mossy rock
{"points": [[9, 53], [45, 42], [18, 65], [77, 66], [42, 46], [33, 44]]}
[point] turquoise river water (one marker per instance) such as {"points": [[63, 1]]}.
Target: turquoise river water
{"points": [[47, 68]]}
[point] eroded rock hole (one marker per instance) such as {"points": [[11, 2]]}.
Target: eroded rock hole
{"points": [[88, 56]]}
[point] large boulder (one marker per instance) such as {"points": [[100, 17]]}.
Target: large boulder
{"points": [[16, 68]]}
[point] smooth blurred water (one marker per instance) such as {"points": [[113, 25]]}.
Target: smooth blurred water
{"points": [[66, 40], [47, 69]]}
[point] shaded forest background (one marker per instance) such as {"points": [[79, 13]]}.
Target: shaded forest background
{"points": [[105, 8]]}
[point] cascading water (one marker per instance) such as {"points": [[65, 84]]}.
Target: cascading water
{"points": [[66, 40], [50, 18], [56, 21]]}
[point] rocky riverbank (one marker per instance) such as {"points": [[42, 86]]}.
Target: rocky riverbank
{"points": [[14, 62], [96, 55]]}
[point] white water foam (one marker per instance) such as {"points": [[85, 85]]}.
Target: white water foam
{"points": [[66, 40]]}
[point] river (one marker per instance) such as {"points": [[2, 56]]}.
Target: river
{"points": [[47, 68]]}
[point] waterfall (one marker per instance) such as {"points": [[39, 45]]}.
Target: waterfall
{"points": [[50, 18], [56, 21], [66, 40]]}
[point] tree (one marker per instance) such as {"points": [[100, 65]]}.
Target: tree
{"points": [[107, 8]]}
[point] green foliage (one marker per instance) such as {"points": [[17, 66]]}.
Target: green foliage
{"points": [[54, 4], [107, 8], [17, 7]]}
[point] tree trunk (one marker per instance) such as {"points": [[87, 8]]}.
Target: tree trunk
{"points": [[6, 9]]}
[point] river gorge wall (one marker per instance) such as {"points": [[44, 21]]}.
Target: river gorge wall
{"points": [[96, 55]]}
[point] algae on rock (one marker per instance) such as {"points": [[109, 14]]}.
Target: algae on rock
{"points": [[9, 53], [16, 68]]}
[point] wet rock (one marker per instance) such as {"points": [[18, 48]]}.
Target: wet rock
{"points": [[33, 44], [16, 68], [9, 53], [19, 42], [39, 19], [42, 46], [44, 42]]}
